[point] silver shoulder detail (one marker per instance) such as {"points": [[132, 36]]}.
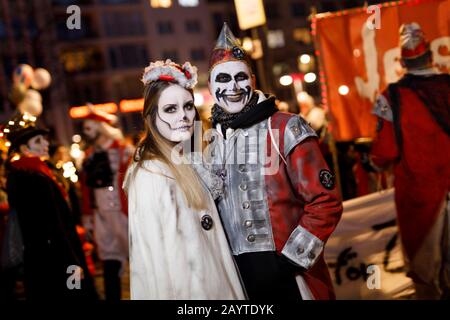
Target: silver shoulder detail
{"points": [[382, 108], [296, 131]]}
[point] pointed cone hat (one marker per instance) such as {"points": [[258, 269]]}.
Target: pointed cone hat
{"points": [[227, 49]]}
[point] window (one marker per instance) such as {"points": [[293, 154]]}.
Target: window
{"points": [[160, 3], [170, 54], [82, 59], [302, 35], [198, 54], [299, 9], [86, 91], [272, 10], [87, 30], [128, 56], [188, 3], [193, 26], [165, 27], [118, 24], [275, 39], [2, 30]]}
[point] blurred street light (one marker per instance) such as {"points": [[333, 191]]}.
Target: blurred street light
{"points": [[160, 3], [76, 138], [343, 90], [305, 58], [247, 44], [286, 80], [310, 77]]}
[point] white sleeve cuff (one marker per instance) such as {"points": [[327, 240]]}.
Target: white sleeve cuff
{"points": [[303, 248]]}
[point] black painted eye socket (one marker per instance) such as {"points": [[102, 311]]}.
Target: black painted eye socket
{"points": [[170, 109], [241, 76], [223, 78], [189, 106]]}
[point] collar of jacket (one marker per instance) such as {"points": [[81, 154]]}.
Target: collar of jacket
{"points": [[36, 165]]}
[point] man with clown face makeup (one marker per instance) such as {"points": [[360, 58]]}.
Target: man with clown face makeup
{"points": [[277, 221]]}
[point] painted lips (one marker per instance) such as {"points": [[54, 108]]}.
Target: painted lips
{"points": [[183, 128]]}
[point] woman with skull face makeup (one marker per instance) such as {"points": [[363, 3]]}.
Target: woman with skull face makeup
{"points": [[178, 249]]}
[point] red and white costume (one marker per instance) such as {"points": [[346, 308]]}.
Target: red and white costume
{"points": [[413, 115]]}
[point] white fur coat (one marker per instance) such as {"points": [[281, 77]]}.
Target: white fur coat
{"points": [[171, 255]]}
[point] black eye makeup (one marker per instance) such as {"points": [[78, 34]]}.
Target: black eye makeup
{"points": [[241, 76], [189, 105], [223, 77], [170, 108]]}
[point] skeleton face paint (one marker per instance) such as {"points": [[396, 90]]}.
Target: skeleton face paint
{"points": [[176, 114], [231, 85], [38, 146], [91, 130]]}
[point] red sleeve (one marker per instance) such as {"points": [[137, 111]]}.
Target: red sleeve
{"points": [[384, 148], [310, 177]]}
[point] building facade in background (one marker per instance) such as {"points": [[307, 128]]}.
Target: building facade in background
{"points": [[102, 62]]}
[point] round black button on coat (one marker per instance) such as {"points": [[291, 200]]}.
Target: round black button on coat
{"points": [[207, 222]]}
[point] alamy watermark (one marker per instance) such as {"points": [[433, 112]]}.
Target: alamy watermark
{"points": [[75, 275], [374, 21], [73, 22]]}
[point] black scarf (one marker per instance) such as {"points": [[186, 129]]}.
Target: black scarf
{"points": [[251, 114]]}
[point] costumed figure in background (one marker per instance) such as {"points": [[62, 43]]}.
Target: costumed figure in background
{"points": [[102, 176], [178, 248], [52, 250], [413, 137], [277, 221]]}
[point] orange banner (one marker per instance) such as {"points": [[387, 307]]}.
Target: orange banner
{"points": [[359, 55]]}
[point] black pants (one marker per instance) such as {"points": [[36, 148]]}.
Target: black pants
{"points": [[111, 269], [266, 275]]}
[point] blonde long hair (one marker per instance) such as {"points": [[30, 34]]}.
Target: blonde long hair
{"points": [[154, 146]]}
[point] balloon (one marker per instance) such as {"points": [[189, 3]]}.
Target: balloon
{"points": [[32, 103], [41, 80], [23, 74], [18, 93]]}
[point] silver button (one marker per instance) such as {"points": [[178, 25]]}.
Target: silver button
{"points": [[242, 167], [248, 223], [251, 238], [243, 186], [245, 133], [246, 205], [300, 250], [311, 255]]}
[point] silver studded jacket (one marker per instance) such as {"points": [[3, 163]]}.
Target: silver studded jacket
{"points": [[261, 207]]}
